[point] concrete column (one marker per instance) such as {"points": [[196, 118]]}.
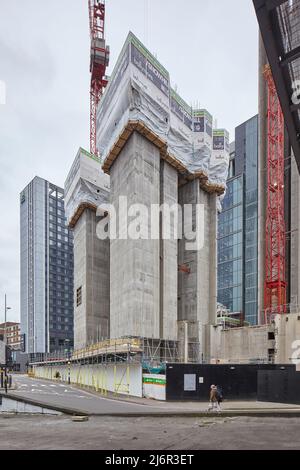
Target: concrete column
{"points": [[168, 253], [208, 259], [135, 264], [197, 289], [91, 274]]}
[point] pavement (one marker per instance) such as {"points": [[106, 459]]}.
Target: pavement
{"points": [[73, 400], [112, 433], [130, 423]]}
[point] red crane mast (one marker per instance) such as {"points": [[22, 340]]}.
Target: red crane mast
{"points": [[275, 280], [99, 62]]}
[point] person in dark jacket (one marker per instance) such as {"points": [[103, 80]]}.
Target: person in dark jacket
{"points": [[219, 396]]}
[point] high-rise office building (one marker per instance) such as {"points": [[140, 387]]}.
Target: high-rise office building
{"points": [[46, 269], [238, 227]]}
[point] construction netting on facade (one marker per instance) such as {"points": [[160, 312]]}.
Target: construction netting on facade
{"points": [[139, 91], [86, 185]]}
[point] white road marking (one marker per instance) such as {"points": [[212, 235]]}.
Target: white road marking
{"points": [[72, 390], [92, 395]]}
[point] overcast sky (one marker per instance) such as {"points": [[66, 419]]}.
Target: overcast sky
{"points": [[209, 47]]}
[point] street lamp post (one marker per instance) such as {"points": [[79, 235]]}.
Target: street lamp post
{"points": [[69, 373], [5, 318], [5, 343], [67, 341]]}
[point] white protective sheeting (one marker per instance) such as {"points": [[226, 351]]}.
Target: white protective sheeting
{"points": [[219, 162], [86, 184], [139, 90]]}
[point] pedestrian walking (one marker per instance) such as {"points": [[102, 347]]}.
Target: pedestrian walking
{"points": [[219, 394], [5, 383], [213, 399]]}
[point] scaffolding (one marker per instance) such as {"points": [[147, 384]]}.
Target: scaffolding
{"points": [[157, 352], [152, 353]]}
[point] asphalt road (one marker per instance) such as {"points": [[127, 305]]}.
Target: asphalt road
{"points": [[61, 396], [55, 393], [143, 432], [148, 433]]}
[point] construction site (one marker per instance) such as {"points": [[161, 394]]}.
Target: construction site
{"points": [[142, 299], [154, 150]]}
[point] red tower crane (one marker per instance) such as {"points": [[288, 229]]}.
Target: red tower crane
{"points": [[275, 280], [98, 64]]}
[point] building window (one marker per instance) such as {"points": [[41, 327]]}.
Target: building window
{"points": [[79, 296]]}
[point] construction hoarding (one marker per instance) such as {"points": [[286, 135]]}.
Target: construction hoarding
{"points": [[154, 386]]}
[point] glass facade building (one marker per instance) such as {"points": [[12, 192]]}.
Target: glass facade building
{"points": [[230, 247], [238, 227], [47, 268]]}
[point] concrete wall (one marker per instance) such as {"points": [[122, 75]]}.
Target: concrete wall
{"points": [[197, 290], [279, 340], [287, 338], [91, 273], [119, 378], [8, 405], [241, 345], [135, 264]]}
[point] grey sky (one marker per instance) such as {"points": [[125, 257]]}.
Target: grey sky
{"points": [[209, 48]]}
